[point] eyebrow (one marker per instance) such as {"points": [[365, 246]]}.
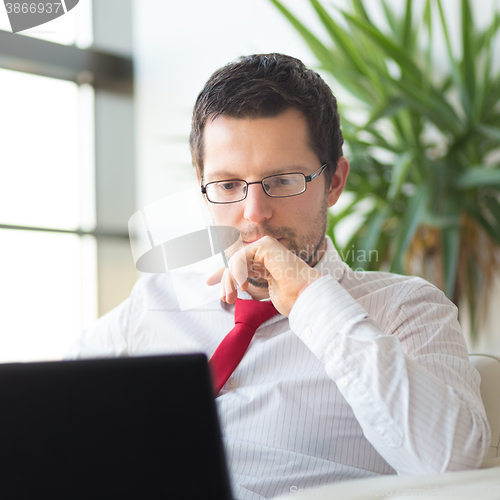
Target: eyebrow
{"points": [[221, 175]]}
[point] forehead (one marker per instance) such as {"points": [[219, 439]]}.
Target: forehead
{"points": [[260, 146]]}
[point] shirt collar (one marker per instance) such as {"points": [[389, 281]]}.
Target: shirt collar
{"points": [[331, 264]]}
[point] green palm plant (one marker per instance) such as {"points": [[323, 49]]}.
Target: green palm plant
{"points": [[426, 155]]}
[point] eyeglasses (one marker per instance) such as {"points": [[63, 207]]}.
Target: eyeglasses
{"points": [[275, 186]]}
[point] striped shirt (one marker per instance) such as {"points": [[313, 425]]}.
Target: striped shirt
{"points": [[369, 375]]}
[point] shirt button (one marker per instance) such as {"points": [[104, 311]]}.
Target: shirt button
{"points": [[308, 331], [231, 383], [345, 382]]}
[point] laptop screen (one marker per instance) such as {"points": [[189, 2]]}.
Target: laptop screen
{"points": [[111, 428]]}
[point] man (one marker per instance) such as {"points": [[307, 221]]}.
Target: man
{"points": [[357, 375]]}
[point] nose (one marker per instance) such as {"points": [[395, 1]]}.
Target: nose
{"points": [[258, 206]]}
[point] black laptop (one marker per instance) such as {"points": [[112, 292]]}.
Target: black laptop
{"points": [[127, 428]]}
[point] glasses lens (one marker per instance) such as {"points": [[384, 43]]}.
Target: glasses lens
{"points": [[226, 191], [284, 185]]}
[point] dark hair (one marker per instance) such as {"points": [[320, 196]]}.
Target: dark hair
{"points": [[263, 86]]}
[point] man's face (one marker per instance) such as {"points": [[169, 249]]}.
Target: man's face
{"points": [[251, 149]]}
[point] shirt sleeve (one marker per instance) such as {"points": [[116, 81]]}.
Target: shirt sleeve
{"points": [[411, 387], [108, 337]]}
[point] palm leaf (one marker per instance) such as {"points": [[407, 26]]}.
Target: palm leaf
{"points": [[317, 47], [467, 66], [437, 110], [408, 226], [390, 48], [489, 131], [455, 70], [399, 175], [408, 25], [345, 43], [371, 239], [392, 20], [477, 176]]}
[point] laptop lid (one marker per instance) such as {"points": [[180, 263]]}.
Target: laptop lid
{"points": [[124, 428]]}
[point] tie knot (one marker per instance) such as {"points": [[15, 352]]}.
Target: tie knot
{"points": [[253, 312]]}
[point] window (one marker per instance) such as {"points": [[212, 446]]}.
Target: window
{"points": [[62, 219]]}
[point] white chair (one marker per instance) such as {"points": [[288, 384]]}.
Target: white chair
{"points": [[489, 368]]}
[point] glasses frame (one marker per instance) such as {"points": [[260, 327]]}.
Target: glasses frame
{"points": [[307, 178]]}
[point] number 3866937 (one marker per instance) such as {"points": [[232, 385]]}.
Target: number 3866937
{"points": [[32, 8]]}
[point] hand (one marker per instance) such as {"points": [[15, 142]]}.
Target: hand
{"points": [[287, 275]]}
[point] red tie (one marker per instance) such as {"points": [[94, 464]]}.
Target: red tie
{"points": [[248, 316]]}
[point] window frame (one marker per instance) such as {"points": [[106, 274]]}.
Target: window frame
{"points": [[111, 74]]}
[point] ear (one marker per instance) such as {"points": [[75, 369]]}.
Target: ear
{"points": [[199, 181], [338, 181]]}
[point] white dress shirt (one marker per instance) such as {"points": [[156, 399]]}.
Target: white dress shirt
{"points": [[369, 375]]}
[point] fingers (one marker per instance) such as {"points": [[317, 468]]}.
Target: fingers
{"points": [[239, 265], [228, 285], [232, 277], [215, 278], [235, 275], [248, 261]]}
